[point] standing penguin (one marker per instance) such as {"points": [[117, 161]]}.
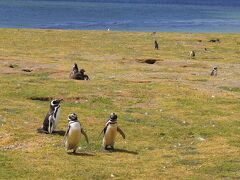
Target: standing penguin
{"points": [[51, 120], [156, 44], [192, 54], [73, 133], [110, 131], [214, 71]]}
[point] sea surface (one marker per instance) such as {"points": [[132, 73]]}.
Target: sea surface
{"points": [[123, 15]]}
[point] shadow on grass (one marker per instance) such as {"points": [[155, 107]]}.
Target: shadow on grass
{"points": [[60, 133], [123, 151], [80, 154]]}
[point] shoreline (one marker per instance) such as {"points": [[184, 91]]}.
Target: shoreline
{"points": [[120, 31]]}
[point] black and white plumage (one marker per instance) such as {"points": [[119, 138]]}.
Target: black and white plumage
{"points": [[214, 71], [78, 74], [51, 120], [73, 134], [75, 68], [110, 131]]}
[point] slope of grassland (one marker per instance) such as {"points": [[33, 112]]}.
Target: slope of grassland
{"points": [[179, 121]]}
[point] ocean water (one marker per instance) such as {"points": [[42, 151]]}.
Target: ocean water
{"points": [[123, 15]]}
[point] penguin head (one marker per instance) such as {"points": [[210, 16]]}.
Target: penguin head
{"points": [[215, 67], [55, 102], [82, 71], [72, 117], [113, 117]]}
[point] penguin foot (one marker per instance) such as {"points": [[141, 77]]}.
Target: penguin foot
{"points": [[109, 148], [71, 151], [74, 151]]}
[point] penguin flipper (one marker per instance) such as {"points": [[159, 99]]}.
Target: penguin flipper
{"points": [[121, 132], [50, 124], [103, 131], [85, 135], [66, 134]]}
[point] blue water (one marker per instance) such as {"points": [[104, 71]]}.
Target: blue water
{"points": [[124, 15]]}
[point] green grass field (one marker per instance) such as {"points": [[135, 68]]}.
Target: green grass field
{"points": [[180, 122]]}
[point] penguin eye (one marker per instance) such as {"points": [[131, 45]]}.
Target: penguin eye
{"points": [[54, 102]]}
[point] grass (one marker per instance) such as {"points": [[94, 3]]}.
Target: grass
{"points": [[180, 122]]}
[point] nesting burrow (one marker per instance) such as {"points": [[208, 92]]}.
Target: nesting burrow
{"points": [[27, 70], [68, 99], [148, 61], [13, 66], [41, 98], [17, 66]]}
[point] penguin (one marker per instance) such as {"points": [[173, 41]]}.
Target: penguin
{"points": [[83, 76], [73, 133], [110, 131], [51, 120], [192, 54], [156, 44], [74, 71], [214, 71], [75, 68]]}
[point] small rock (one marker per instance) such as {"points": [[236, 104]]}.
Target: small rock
{"points": [[112, 175]]}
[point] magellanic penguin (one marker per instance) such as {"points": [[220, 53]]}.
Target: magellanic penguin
{"points": [[156, 44], [51, 120], [192, 54], [73, 133], [110, 131], [214, 71], [74, 71]]}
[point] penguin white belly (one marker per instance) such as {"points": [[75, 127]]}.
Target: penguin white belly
{"points": [[57, 116], [110, 135], [74, 136]]}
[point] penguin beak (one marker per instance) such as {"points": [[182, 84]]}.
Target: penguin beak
{"points": [[60, 100]]}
